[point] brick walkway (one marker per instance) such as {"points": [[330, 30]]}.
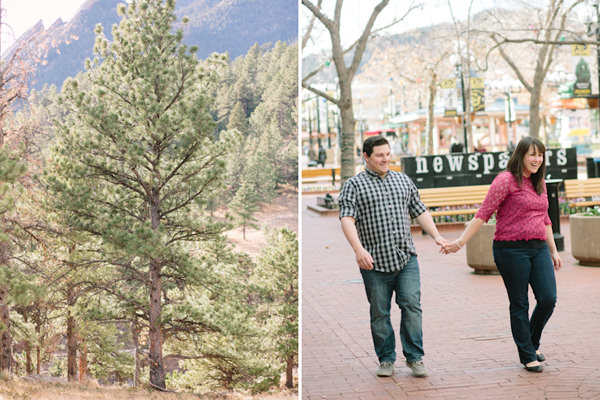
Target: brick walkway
{"points": [[469, 350]]}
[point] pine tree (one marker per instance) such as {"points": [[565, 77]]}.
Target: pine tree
{"points": [[238, 120], [10, 170], [135, 162], [235, 164], [277, 275], [245, 204]]}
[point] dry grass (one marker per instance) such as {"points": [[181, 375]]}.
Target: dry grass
{"points": [[55, 389]]}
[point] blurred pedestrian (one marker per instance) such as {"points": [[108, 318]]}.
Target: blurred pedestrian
{"points": [[456, 147], [480, 148], [322, 157]]}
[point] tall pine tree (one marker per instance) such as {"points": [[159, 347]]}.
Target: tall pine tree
{"points": [[136, 160], [277, 276]]}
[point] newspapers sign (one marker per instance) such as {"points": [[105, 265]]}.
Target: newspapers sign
{"points": [[459, 169]]}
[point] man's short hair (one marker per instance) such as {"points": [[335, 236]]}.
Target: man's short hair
{"points": [[372, 142]]}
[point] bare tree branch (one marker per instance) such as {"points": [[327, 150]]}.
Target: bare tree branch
{"points": [[310, 27]]}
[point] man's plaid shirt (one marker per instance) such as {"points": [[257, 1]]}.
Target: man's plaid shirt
{"points": [[381, 208]]}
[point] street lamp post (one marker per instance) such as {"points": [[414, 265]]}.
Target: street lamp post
{"points": [[459, 72]]}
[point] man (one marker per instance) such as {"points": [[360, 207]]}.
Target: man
{"points": [[374, 211], [456, 147], [322, 157]]}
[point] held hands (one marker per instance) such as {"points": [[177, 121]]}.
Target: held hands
{"points": [[452, 247]]}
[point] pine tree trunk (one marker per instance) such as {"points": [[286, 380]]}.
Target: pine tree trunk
{"points": [[38, 346], [136, 352], [38, 362], [28, 362], [289, 372], [71, 349], [5, 339], [83, 362], [157, 372]]}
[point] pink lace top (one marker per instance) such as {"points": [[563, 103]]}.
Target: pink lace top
{"points": [[521, 214]]}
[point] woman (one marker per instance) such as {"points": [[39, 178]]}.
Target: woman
{"points": [[524, 248]]}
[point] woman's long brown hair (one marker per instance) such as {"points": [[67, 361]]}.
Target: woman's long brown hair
{"points": [[515, 164]]}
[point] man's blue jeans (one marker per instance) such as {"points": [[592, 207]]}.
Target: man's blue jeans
{"points": [[380, 287], [521, 267]]}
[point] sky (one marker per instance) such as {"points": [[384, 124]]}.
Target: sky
{"points": [[355, 14], [20, 15]]}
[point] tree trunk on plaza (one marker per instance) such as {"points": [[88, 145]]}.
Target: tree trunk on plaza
{"points": [[345, 74], [546, 36], [348, 169], [534, 111], [430, 114], [464, 54]]}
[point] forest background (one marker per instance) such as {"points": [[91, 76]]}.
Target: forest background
{"points": [[119, 191]]}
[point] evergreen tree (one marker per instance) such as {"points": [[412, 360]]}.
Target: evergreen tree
{"points": [[135, 162], [277, 276], [238, 122], [10, 170], [245, 204], [238, 119]]}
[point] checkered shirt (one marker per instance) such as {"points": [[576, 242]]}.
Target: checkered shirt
{"points": [[381, 208]]}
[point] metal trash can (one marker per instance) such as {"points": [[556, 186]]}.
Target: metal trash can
{"points": [[593, 167]]}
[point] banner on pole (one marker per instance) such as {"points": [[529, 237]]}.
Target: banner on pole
{"points": [[581, 58], [477, 94], [449, 96]]}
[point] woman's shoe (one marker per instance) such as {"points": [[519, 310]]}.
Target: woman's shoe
{"points": [[534, 366], [540, 356]]}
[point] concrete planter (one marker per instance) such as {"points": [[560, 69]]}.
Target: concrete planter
{"points": [[480, 255], [585, 239]]}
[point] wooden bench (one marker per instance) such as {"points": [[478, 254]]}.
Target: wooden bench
{"points": [[314, 175], [317, 175], [582, 193], [448, 200]]}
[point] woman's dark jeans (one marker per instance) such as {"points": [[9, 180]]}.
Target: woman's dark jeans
{"points": [[521, 267], [380, 288]]}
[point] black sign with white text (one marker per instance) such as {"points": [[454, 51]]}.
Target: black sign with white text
{"points": [[460, 169]]}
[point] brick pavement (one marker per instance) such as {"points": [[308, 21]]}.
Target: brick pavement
{"points": [[469, 350]]}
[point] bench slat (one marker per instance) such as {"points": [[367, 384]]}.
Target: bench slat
{"points": [[575, 188], [454, 196]]}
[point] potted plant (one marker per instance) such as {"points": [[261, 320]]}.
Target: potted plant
{"points": [[585, 237], [480, 255]]}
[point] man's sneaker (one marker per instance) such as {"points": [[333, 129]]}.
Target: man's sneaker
{"points": [[386, 369], [417, 367]]}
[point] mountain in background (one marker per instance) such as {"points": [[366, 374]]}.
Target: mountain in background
{"points": [[231, 26]]}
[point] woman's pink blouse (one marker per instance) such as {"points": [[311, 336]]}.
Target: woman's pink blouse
{"points": [[521, 214]]}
